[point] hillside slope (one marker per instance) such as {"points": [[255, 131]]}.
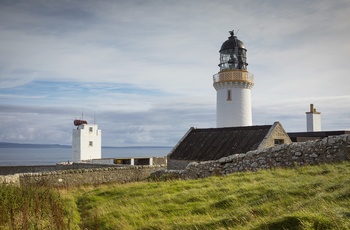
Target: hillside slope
{"points": [[312, 197]]}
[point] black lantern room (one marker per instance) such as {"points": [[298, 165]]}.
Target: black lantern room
{"points": [[233, 54]]}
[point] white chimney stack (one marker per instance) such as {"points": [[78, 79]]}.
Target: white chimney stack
{"points": [[313, 120]]}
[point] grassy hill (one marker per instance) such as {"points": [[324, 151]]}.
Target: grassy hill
{"points": [[312, 197]]}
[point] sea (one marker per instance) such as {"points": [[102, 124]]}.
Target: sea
{"points": [[18, 155]]}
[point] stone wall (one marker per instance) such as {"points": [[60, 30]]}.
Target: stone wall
{"points": [[76, 177], [10, 179], [10, 170], [328, 150], [177, 164], [159, 160]]}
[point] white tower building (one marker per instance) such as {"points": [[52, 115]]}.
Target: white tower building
{"points": [[313, 120], [86, 141], [233, 85]]}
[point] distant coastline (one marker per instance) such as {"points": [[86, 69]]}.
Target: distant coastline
{"points": [[15, 154], [26, 145], [20, 145]]}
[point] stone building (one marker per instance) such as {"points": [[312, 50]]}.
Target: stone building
{"points": [[214, 143]]}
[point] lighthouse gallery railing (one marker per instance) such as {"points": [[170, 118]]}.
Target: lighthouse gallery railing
{"points": [[233, 76]]}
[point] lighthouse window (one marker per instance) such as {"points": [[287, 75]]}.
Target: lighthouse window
{"points": [[91, 143], [90, 129], [229, 95]]}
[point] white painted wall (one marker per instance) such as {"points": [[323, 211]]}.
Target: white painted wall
{"points": [[82, 138], [106, 161], [313, 122], [238, 110]]}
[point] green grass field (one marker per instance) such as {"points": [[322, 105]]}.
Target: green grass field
{"points": [[311, 197]]}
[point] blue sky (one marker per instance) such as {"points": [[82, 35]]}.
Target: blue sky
{"points": [[143, 69]]}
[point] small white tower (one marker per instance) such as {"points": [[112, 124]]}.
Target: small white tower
{"points": [[86, 141], [313, 120], [233, 85]]}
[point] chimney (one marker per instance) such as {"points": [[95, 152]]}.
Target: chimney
{"points": [[313, 120]]}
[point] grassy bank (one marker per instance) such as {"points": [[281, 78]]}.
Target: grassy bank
{"points": [[313, 197]]}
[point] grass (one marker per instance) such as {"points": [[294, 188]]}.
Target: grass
{"points": [[310, 197], [32, 208]]}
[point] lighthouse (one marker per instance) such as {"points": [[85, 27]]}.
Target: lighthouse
{"points": [[86, 142], [233, 84]]}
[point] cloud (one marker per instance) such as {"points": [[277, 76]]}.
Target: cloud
{"points": [[145, 70], [156, 125]]}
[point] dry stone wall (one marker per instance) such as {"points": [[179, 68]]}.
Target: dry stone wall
{"points": [[95, 176], [328, 150], [75, 177], [10, 179], [11, 170]]}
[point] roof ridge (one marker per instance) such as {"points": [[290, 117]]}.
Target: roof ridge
{"points": [[236, 127]]}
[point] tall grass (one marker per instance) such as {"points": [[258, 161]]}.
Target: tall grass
{"points": [[314, 197], [32, 208]]}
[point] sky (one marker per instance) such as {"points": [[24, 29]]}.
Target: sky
{"points": [[142, 70]]}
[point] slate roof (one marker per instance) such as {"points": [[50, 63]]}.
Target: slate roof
{"points": [[215, 143]]}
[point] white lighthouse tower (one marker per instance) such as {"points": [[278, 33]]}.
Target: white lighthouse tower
{"points": [[86, 141], [233, 85]]}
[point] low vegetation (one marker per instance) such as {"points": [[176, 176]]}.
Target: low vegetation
{"points": [[311, 197], [32, 208]]}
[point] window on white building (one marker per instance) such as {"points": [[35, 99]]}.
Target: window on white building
{"points": [[229, 98], [91, 143], [90, 129]]}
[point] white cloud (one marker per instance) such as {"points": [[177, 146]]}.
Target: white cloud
{"points": [[145, 70]]}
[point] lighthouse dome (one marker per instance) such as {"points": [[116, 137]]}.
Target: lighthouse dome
{"points": [[233, 54], [232, 43]]}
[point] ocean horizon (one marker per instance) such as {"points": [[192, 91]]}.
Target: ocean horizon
{"points": [[35, 154]]}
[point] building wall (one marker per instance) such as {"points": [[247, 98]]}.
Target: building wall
{"points": [[237, 110], [76, 143], [276, 132], [104, 161], [86, 143], [313, 122], [328, 150], [308, 136], [304, 139]]}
